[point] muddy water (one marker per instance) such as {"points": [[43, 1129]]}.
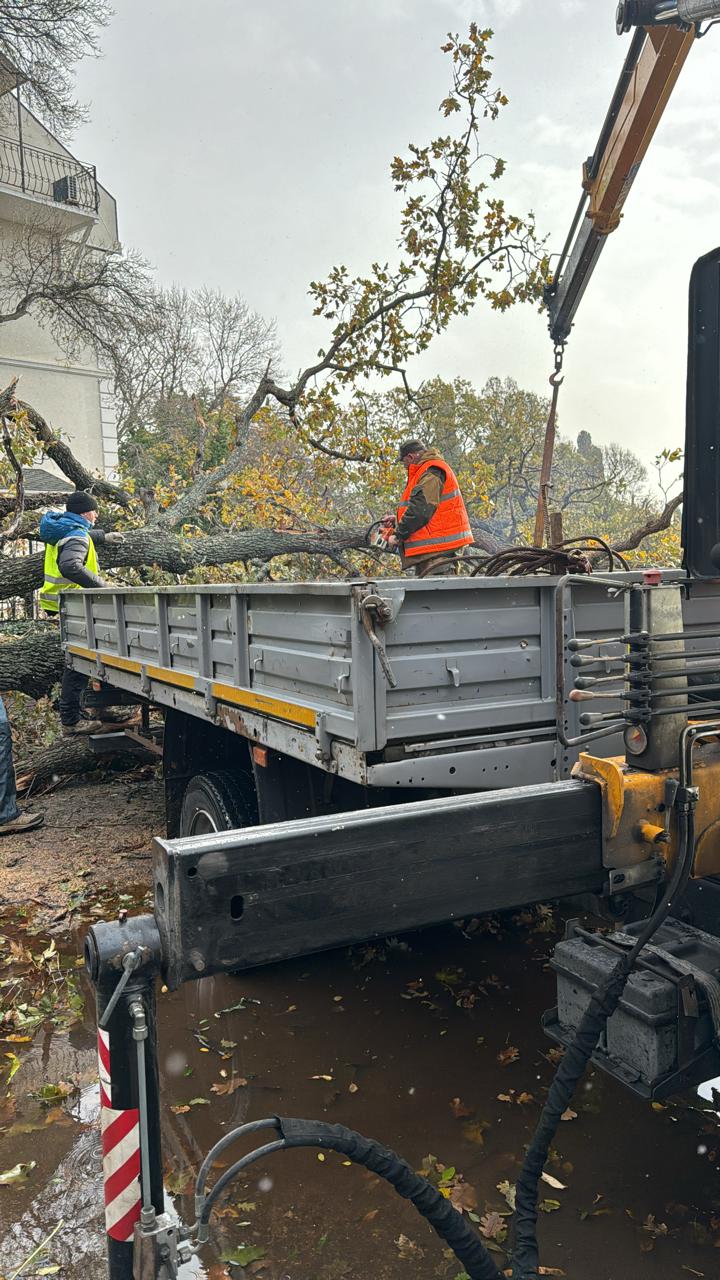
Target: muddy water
{"points": [[411, 1044]]}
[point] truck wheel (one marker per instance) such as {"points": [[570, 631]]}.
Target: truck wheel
{"points": [[213, 802]]}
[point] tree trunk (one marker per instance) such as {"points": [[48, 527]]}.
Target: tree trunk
{"points": [[68, 756], [31, 662], [159, 548]]}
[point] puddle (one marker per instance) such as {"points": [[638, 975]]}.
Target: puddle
{"points": [[411, 1044]]}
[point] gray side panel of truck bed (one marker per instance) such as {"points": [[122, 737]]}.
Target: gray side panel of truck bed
{"points": [[475, 664]]}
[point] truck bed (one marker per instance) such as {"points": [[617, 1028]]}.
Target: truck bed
{"points": [[479, 665]]}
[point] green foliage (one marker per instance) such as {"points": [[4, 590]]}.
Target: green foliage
{"points": [[458, 242]]}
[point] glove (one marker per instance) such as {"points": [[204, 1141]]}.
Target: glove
{"points": [[115, 538]]}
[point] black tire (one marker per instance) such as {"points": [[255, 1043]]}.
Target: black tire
{"points": [[213, 802]]}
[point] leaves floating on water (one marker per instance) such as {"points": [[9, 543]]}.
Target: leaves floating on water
{"points": [[14, 1065], [244, 1254], [459, 1110], [553, 1182], [408, 1249], [507, 1190], [51, 1094], [475, 1131], [183, 1107], [450, 977], [234, 1008], [228, 1087], [494, 1227]]}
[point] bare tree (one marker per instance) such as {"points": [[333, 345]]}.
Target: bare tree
{"points": [[86, 295], [203, 345], [44, 40]]}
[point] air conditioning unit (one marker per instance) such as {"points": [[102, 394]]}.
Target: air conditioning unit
{"points": [[67, 190]]}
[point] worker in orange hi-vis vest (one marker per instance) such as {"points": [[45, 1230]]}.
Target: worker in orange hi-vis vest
{"points": [[432, 523]]}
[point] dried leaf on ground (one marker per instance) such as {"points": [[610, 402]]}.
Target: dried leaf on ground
{"points": [[549, 1206], [569, 1114], [511, 1054], [18, 1173]]}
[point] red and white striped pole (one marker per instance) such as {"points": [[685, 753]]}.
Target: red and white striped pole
{"points": [[126, 951]]}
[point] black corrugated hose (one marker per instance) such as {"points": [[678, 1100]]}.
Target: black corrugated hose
{"points": [[604, 1002], [439, 1212]]}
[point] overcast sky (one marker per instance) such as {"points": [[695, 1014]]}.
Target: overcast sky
{"points": [[248, 143]]}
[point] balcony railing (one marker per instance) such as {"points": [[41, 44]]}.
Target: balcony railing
{"points": [[46, 173]]}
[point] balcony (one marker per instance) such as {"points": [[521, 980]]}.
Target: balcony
{"points": [[49, 176]]}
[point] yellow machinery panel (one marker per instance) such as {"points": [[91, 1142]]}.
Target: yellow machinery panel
{"points": [[636, 825]]}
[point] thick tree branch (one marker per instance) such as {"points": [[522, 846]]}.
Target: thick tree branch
{"points": [[33, 502], [655, 524], [164, 550], [337, 453], [19, 504]]}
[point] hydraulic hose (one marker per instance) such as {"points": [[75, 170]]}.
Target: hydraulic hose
{"points": [[429, 1202], [604, 1002]]}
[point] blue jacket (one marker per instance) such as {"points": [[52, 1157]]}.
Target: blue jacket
{"points": [[56, 525], [74, 531]]}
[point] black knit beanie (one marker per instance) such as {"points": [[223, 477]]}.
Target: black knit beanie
{"points": [[78, 503]]}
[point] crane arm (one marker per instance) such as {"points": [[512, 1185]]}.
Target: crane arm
{"points": [[659, 49]]}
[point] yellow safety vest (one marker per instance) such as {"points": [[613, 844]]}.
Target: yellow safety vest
{"points": [[54, 581]]}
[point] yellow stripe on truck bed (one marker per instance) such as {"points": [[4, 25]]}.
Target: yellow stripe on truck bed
{"points": [[263, 703], [108, 659]]}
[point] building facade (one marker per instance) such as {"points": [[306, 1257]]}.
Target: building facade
{"points": [[43, 184]]}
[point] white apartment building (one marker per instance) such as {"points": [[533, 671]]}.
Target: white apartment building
{"points": [[40, 178]]}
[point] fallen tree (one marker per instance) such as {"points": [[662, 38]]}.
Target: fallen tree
{"points": [[457, 243]]}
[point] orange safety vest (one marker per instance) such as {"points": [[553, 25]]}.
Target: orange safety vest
{"points": [[448, 528]]}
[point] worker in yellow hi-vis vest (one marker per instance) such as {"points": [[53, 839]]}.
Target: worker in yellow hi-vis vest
{"points": [[71, 563]]}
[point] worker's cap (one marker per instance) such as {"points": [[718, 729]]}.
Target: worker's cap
{"points": [[78, 503], [410, 446]]}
